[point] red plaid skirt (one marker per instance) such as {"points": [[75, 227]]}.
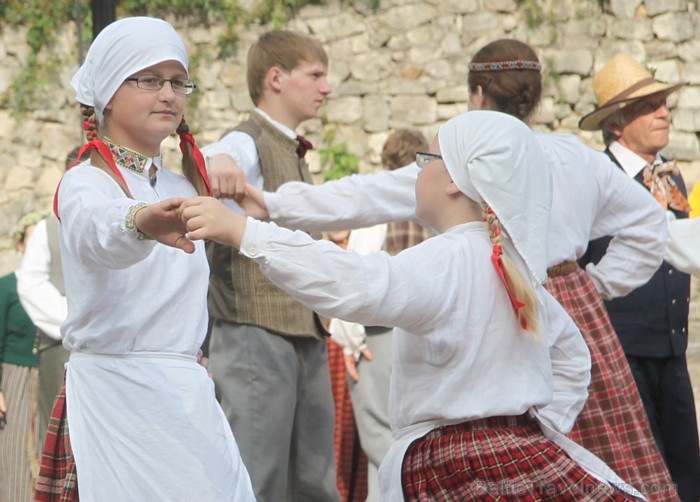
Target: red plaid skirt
{"points": [[57, 480], [613, 423], [498, 458]]}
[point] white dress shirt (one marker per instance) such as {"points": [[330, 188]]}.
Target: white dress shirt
{"points": [[45, 305], [458, 351], [143, 419], [683, 246], [241, 148], [591, 198]]}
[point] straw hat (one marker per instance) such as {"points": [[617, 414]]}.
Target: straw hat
{"points": [[621, 82]]}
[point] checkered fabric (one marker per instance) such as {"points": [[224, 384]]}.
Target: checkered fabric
{"points": [[58, 480], [613, 423], [498, 458], [350, 460]]}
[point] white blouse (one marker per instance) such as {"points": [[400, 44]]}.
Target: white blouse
{"points": [[458, 352], [143, 419], [591, 198]]}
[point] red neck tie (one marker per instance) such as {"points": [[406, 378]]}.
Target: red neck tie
{"points": [[658, 180], [304, 146]]}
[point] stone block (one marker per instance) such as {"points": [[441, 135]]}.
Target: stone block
{"points": [[19, 177], [683, 146], [656, 7], [631, 28], [689, 97], [413, 110], [610, 48], [328, 28], [624, 8], [501, 5], [689, 51], [666, 71], [447, 111], [576, 61], [405, 17], [454, 94], [690, 72], [481, 22], [371, 67], [686, 119], [674, 26], [375, 111], [345, 110], [460, 6]]}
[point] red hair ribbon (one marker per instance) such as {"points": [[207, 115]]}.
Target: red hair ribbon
{"points": [[104, 151], [498, 263], [198, 157]]}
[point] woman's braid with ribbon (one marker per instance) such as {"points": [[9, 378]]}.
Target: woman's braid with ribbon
{"points": [[497, 259]]}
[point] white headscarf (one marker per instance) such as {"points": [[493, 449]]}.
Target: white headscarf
{"points": [[494, 157], [120, 50]]}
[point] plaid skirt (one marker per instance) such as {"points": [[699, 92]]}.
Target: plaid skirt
{"points": [[498, 458], [57, 480], [613, 424]]}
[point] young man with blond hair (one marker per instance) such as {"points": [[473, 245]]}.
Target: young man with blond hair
{"points": [[267, 351]]}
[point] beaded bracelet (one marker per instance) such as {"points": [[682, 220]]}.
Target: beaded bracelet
{"points": [[130, 222]]}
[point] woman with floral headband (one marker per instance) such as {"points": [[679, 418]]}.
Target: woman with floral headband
{"points": [[137, 418], [591, 198]]}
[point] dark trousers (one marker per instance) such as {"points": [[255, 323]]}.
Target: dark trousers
{"points": [[667, 394]]}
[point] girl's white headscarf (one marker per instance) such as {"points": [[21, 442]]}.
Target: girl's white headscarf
{"points": [[120, 50], [494, 158]]}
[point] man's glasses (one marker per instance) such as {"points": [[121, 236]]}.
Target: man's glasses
{"points": [[422, 158], [153, 83]]}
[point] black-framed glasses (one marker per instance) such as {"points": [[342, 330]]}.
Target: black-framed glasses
{"points": [[153, 83], [422, 158]]}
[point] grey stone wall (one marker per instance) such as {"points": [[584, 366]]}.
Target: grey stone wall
{"points": [[404, 65]]}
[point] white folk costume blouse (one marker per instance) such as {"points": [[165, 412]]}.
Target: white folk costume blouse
{"points": [[142, 415], [458, 351], [42, 301], [581, 210]]}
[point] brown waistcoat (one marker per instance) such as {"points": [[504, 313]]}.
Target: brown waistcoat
{"points": [[238, 291]]}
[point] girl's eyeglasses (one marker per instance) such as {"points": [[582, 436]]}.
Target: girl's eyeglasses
{"points": [[422, 158], [153, 83]]}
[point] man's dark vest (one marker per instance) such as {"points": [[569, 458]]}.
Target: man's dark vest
{"points": [[652, 320], [238, 291]]}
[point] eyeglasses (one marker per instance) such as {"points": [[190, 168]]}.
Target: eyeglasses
{"points": [[422, 158], [153, 83]]}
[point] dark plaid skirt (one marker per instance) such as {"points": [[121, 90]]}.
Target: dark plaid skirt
{"points": [[498, 458], [613, 424], [57, 480]]}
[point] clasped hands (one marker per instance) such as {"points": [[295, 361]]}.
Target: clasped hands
{"points": [[178, 222]]}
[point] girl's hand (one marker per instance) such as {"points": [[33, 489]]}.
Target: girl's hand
{"points": [[3, 408], [207, 218], [162, 222]]}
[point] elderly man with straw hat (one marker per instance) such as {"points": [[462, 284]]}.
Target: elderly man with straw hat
{"points": [[652, 321]]}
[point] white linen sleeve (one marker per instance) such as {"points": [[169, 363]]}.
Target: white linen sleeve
{"points": [[356, 201], [372, 290], [683, 246], [636, 222], [571, 368], [45, 305], [94, 216]]}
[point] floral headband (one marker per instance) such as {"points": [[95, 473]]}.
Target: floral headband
{"points": [[518, 64]]}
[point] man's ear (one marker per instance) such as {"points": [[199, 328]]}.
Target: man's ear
{"points": [[274, 78]]}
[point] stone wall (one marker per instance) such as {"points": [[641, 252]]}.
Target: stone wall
{"points": [[404, 65]]}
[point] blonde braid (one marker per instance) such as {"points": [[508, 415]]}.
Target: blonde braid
{"points": [[516, 283]]}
